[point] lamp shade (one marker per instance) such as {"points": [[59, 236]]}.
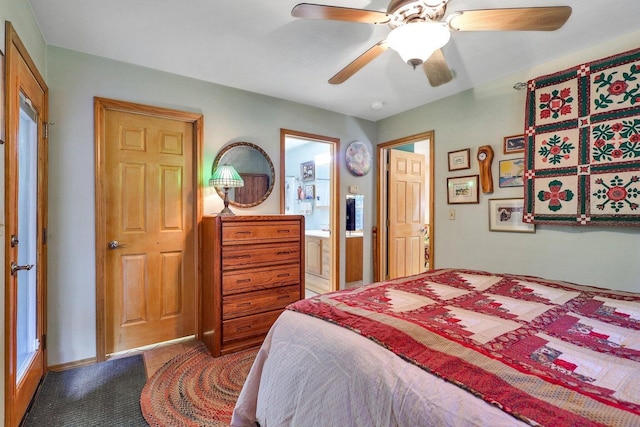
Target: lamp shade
{"points": [[226, 176], [416, 41]]}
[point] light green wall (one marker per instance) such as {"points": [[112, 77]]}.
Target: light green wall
{"points": [[606, 257], [229, 115], [19, 14], [601, 256]]}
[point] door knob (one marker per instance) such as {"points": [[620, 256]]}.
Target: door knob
{"points": [[15, 267], [114, 244]]}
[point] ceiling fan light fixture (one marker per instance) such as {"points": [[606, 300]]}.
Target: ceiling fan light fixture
{"points": [[415, 42]]}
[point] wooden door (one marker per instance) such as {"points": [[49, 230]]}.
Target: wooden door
{"points": [[26, 228], [149, 235], [406, 213]]}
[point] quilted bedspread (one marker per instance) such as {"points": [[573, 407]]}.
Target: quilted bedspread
{"points": [[547, 352]]}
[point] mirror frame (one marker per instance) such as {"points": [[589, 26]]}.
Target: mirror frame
{"points": [[266, 157]]}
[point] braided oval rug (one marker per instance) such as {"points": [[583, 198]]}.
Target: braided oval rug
{"points": [[196, 389]]}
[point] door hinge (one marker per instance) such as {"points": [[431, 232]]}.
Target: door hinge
{"points": [[44, 342], [45, 126], [44, 236]]}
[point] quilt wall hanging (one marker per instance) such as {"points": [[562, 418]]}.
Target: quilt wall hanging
{"points": [[582, 144]]}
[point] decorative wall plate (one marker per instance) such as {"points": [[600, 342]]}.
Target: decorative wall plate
{"points": [[358, 158]]}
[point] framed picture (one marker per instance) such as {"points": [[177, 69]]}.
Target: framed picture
{"points": [[308, 171], [459, 160], [511, 172], [463, 189], [506, 215], [513, 144], [309, 191]]}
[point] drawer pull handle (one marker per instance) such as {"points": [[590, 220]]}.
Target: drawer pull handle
{"points": [[243, 280], [243, 328], [284, 253], [284, 275], [240, 256], [283, 297], [243, 232], [243, 304], [284, 231]]}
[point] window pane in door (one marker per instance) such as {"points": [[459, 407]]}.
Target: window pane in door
{"points": [[27, 342]]}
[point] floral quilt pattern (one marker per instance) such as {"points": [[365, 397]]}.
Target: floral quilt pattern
{"points": [[582, 144]]}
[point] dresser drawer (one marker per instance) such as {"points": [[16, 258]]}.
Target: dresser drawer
{"points": [[248, 256], [260, 231], [238, 281], [249, 326], [259, 301], [252, 267]]}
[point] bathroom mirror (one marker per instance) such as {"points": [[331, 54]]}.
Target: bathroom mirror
{"points": [[255, 168]]}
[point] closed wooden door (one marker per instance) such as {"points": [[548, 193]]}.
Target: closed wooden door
{"points": [[26, 229], [406, 213], [149, 232]]}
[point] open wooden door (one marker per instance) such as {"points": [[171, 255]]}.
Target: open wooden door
{"points": [[406, 213], [405, 206]]}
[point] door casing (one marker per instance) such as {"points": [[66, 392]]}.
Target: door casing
{"points": [[100, 107], [381, 267]]}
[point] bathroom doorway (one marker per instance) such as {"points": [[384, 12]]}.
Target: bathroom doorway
{"points": [[310, 186]]}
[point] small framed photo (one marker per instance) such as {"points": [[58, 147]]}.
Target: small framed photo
{"points": [[506, 215], [308, 171], [463, 189], [511, 173], [513, 144], [459, 160], [309, 191]]}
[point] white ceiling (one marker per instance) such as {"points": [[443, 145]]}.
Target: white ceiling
{"points": [[256, 45]]}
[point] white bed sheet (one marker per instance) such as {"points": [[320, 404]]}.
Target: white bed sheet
{"points": [[310, 372]]}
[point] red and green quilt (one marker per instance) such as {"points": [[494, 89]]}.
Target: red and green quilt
{"points": [[582, 144], [548, 352]]}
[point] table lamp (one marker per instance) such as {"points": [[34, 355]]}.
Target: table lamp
{"points": [[226, 176]]}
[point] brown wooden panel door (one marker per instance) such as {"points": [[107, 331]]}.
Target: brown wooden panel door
{"points": [[150, 275], [406, 213]]}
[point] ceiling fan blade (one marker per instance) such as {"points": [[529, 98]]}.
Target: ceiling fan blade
{"points": [[359, 62], [436, 69], [516, 19], [336, 13]]}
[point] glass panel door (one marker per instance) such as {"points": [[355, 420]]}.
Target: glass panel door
{"points": [[27, 341]]}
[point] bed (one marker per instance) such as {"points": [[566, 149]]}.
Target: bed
{"points": [[450, 348]]}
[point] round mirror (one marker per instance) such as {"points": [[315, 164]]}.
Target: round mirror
{"points": [[255, 168]]}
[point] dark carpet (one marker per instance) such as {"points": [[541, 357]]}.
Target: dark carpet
{"points": [[102, 394]]}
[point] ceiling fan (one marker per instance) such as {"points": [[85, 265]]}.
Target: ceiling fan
{"points": [[419, 30]]}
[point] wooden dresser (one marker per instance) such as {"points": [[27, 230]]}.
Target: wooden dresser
{"points": [[252, 268]]}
